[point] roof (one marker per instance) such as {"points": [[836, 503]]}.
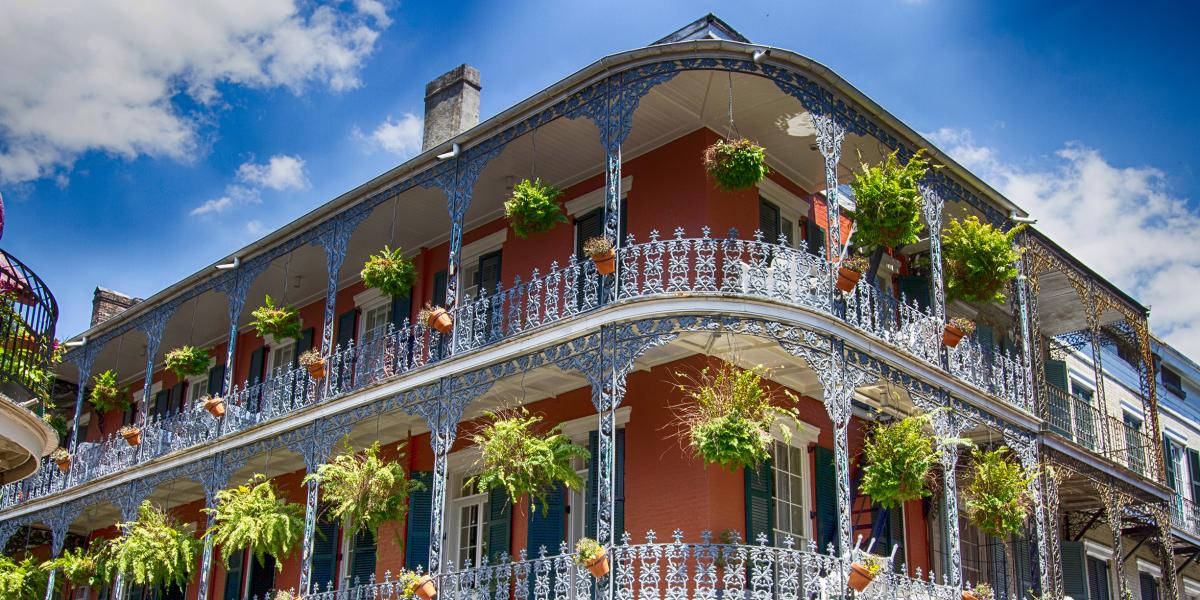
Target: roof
{"points": [[708, 27]]}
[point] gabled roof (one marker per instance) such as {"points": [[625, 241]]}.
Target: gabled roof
{"points": [[708, 27]]}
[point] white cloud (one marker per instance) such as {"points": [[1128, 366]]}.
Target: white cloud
{"points": [[254, 227], [401, 136], [84, 75], [1123, 222], [281, 172]]}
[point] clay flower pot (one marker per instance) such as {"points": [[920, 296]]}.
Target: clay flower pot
{"points": [[441, 320], [133, 436], [606, 262], [860, 577], [966, 595], [215, 406], [426, 589], [951, 335], [599, 564], [64, 464], [316, 370], [847, 279]]}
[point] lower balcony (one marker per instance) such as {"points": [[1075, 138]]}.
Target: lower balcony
{"points": [[1078, 421]]}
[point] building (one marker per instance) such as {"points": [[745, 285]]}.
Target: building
{"points": [[703, 276]]}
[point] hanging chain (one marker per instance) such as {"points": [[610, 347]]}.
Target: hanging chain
{"points": [[731, 131], [392, 229], [286, 270], [533, 153]]}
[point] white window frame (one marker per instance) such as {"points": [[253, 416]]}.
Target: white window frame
{"points": [[199, 382], [456, 504], [274, 350], [789, 205], [1145, 566], [1191, 588], [804, 437], [468, 261], [367, 302], [587, 202]]}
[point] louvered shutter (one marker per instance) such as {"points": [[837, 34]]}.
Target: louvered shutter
{"points": [[1025, 564], [768, 221], [178, 396], [985, 336], [1074, 559], [814, 237], [1148, 586], [1056, 373], [914, 288], [489, 272], [216, 379], [499, 524], [304, 343], [420, 515], [825, 503], [262, 577], [587, 227], [999, 572], [347, 325], [161, 401], [896, 535], [439, 288], [1194, 473], [547, 523], [401, 309], [618, 485], [362, 563], [233, 576], [760, 502], [258, 361], [1097, 575], [1169, 459], [324, 556]]}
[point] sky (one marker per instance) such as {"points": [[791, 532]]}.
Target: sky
{"points": [[141, 141]]}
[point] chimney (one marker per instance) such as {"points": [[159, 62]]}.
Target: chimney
{"points": [[107, 304], [451, 105]]}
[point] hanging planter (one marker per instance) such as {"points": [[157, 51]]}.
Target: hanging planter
{"points": [[436, 317], [389, 272], [80, 566], [252, 516], [979, 260], [888, 203], [362, 490], [729, 419], [62, 458], [850, 271], [533, 207], [955, 329], [280, 322], [735, 164], [106, 394], [314, 362], [188, 361], [22, 579], [600, 249], [590, 554], [863, 573], [998, 495], [132, 434], [523, 461], [152, 551], [981, 591], [425, 588], [215, 405], [897, 461]]}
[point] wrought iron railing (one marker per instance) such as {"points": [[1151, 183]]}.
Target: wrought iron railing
{"points": [[1185, 515], [675, 570], [1075, 419], [679, 266], [28, 314]]}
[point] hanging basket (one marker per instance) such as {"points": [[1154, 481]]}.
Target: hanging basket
{"points": [[132, 435], [425, 588], [860, 577], [599, 565], [215, 405]]}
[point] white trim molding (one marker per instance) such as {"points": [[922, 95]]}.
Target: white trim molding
{"points": [[586, 203], [1191, 587], [1097, 550], [1145, 566]]}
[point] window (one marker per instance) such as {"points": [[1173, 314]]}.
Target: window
{"points": [[376, 320], [1135, 454], [197, 388], [282, 357], [480, 265], [468, 522], [1097, 579], [1081, 392], [1172, 381], [790, 465], [1148, 586]]}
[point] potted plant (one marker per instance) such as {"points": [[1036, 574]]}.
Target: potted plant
{"points": [[215, 405], [887, 206], [63, 458], [735, 164], [601, 250], [589, 553], [22, 579], [897, 460], [363, 490], [955, 329], [132, 434], [863, 573], [731, 414], [850, 271], [437, 318], [314, 362], [389, 272], [981, 591], [78, 565], [425, 588], [533, 207], [106, 394], [280, 322], [187, 361], [152, 550], [979, 260], [517, 457], [997, 497], [252, 516], [406, 582]]}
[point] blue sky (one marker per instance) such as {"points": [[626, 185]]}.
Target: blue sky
{"points": [[117, 126]]}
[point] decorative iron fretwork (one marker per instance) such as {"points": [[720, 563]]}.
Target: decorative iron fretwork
{"points": [[932, 207], [84, 360], [213, 478], [830, 134], [153, 327], [235, 284]]}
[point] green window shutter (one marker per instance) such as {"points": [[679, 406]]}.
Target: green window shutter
{"points": [[216, 378], [1025, 565], [362, 562], [162, 401], [233, 576], [591, 493], [347, 323], [1056, 373], [618, 484], [768, 221], [814, 237], [303, 344], [760, 502], [262, 577], [258, 360], [401, 309], [587, 227], [1074, 558], [1194, 472], [985, 336], [547, 524], [1148, 586], [439, 288], [914, 288], [325, 555], [176, 402], [420, 517], [825, 504], [1097, 571], [499, 525], [896, 535], [999, 572], [1169, 459]]}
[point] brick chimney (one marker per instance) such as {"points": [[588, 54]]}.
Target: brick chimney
{"points": [[451, 105], [107, 304]]}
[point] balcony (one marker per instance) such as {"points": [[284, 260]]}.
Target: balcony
{"points": [[675, 569], [1078, 421], [678, 267]]}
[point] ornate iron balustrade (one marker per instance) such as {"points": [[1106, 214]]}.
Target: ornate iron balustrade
{"points": [[1185, 515], [679, 266], [1077, 420], [675, 570], [28, 314]]}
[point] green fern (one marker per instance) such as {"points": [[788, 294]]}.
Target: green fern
{"points": [[22, 580], [252, 516], [389, 272], [106, 394], [533, 208], [152, 550], [887, 212], [80, 566], [521, 460], [979, 260], [897, 459], [282, 322], [998, 495], [362, 490]]}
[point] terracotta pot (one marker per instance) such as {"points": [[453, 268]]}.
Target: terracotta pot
{"points": [[951, 335], [860, 577], [599, 564], [215, 407], [426, 589], [64, 464], [316, 370], [969, 595], [441, 320], [133, 437], [606, 263], [847, 279]]}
